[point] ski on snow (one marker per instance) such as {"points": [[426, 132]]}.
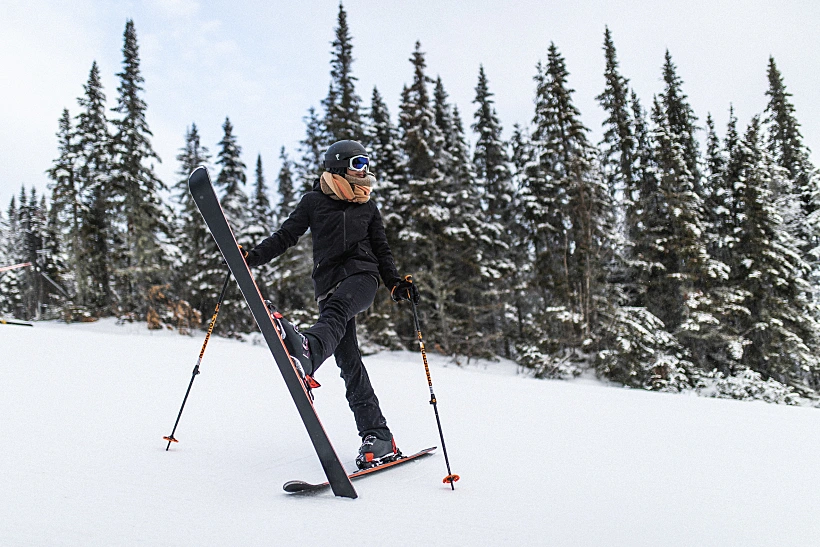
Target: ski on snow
{"points": [[206, 201], [294, 487]]}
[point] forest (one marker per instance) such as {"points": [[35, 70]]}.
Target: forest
{"points": [[671, 255]]}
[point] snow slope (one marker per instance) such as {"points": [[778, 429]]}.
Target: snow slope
{"points": [[83, 409]]}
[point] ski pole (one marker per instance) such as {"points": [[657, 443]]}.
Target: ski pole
{"points": [[450, 478], [170, 438]]}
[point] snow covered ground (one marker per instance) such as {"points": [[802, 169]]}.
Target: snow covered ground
{"points": [[83, 409]]}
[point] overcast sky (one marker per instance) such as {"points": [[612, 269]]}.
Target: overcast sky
{"points": [[264, 63]]}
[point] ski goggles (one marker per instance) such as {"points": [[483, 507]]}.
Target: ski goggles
{"points": [[359, 163]]}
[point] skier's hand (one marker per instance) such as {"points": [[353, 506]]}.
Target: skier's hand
{"points": [[405, 290], [251, 258]]}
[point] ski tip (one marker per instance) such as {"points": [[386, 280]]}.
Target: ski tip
{"points": [[198, 177], [200, 168]]}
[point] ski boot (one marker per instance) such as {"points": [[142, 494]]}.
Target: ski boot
{"points": [[375, 451], [298, 347]]}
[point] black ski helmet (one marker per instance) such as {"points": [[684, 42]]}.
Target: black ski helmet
{"points": [[337, 156]]}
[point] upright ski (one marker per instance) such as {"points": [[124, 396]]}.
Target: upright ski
{"points": [[206, 201]]}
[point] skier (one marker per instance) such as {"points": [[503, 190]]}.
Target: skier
{"points": [[350, 252]]}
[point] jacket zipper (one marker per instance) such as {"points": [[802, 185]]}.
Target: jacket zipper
{"points": [[344, 230]]}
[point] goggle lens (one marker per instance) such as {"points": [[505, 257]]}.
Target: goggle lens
{"points": [[357, 163]]}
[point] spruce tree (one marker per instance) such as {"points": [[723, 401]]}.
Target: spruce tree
{"points": [[94, 165], [522, 307], [417, 121], [66, 200], [261, 212], [785, 143], [432, 221], [230, 184], [381, 139], [780, 329], [11, 286], [141, 255], [29, 242], [633, 347], [688, 294], [500, 257], [456, 277], [261, 218], [54, 265], [618, 145], [799, 191], [197, 276], [313, 149], [382, 143], [568, 210], [286, 188], [231, 181], [681, 119], [342, 105]]}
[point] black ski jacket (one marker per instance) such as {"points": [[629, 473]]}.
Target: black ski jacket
{"points": [[348, 238]]}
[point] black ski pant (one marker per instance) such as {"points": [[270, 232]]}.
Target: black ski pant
{"points": [[336, 333]]}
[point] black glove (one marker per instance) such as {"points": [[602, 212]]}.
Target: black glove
{"points": [[251, 258], [404, 289]]}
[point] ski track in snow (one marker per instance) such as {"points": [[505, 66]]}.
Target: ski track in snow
{"points": [[84, 408]]}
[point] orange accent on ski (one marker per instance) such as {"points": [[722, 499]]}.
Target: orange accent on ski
{"points": [[368, 456], [171, 439], [311, 382]]}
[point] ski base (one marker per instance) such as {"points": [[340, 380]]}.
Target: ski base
{"points": [[294, 487]]}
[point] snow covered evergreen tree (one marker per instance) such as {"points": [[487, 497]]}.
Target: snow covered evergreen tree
{"points": [[93, 173], [381, 141], [522, 312], [10, 254], [499, 253], [714, 196], [634, 348], [342, 105], [780, 329], [141, 253], [261, 217], [785, 143], [313, 149], [30, 222], [569, 214], [231, 181], [687, 291], [261, 211], [618, 144], [465, 300], [799, 191], [53, 266], [230, 184], [197, 278], [66, 202], [681, 119], [433, 205], [286, 187]]}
